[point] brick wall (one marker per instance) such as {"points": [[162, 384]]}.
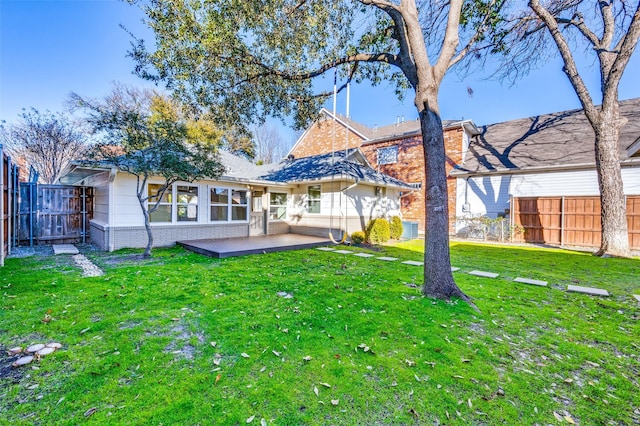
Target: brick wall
{"points": [[319, 139], [410, 168]]}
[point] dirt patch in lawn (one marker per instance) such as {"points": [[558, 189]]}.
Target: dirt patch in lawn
{"points": [[7, 371]]}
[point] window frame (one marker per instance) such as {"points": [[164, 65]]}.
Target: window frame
{"points": [[318, 200], [168, 194], [387, 149], [230, 205], [278, 206]]}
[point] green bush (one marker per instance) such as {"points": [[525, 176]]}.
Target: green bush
{"points": [[357, 237], [395, 227], [378, 231]]}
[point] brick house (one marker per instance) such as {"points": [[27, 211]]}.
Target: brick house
{"points": [[395, 150]]}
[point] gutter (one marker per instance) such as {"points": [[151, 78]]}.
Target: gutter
{"points": [[635, 162]]}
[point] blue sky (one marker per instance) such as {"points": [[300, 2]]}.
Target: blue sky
{"points": [[51, 48]]}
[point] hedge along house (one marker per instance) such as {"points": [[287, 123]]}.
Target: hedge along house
{"points": [[316, 195], [540, 172], [394, 149]]}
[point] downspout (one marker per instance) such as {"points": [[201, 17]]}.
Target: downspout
{"points": [[109, 230]]}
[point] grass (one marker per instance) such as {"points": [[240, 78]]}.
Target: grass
{"points": [[137, 341]]}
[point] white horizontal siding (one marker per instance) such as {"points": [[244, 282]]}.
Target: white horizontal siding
{"points": [[485, 195]]}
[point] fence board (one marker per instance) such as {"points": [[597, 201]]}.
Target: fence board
{"points": [[573, 221]]}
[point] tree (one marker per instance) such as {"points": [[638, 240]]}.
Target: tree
{"points": [[46, 141], [270, 148], [146, 135], [247, 60], [610, 31]]}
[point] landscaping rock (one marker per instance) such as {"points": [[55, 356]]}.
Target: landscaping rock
{"points": [[45, 351], [14, 351], [23, 361], [89, 269], [35, 348], [54, 345]]}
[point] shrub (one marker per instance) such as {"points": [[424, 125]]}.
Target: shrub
{"points": [[378, 231], [357, 237], [395, 227]]}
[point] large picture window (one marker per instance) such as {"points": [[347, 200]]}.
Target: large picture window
{"points": [[388, 155], [314, 194], [163, 212], [228, 204], [278, 206]]}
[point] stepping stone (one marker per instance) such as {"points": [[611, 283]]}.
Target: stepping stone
{"points": [[454, 268], [484, 274], [325, 248], [532, 282], [637, 296], [588, 290], [413, 263], [364, 255], [65, 249], [343, 251], [387, 259]]}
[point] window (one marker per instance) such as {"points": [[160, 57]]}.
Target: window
{"points": [[278, 206], [313, 199], [187, 203], [388, 155], [256, 197], [228, 204], [163, 212], [239, 205]]}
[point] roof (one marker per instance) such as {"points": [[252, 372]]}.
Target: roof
{"points": [[400, 129], [349, 165], [558, 140]]}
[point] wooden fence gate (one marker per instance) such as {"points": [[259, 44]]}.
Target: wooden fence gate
{"points": [[8, 205], [571, 221], [54, 214]]}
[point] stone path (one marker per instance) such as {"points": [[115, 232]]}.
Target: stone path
{"points": [[89, 269], [485, 274]]}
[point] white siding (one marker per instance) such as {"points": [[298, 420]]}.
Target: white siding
{"points": [[485, 195], [101, 204]]}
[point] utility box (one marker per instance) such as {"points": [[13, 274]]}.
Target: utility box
{"points": [[409, 230]]}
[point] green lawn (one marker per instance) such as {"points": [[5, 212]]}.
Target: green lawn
{"points": [[357, 344]]}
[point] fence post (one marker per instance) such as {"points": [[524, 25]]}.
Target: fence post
{"points": [[2, 216]]}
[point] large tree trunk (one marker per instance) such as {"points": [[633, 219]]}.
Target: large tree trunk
{"points": [[615, 237], [438, 280]]}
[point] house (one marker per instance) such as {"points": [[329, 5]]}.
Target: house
{"points": [[540, 172], [394, 149], [336, 192]]}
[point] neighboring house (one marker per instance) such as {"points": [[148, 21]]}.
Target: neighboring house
{"points": [[337, 192], [541, 172], [395, 150]]}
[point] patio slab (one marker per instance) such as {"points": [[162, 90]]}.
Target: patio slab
{"points": [[364, 255], [413, 263], [230, 247], [343, 251], [325, 248], [637, 296], [484, 274], [387, 259], [454, 268], [65, 249], [530, 281], [588, 290]]}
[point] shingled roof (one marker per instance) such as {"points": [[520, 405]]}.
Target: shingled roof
{"points": [[341, 164], [557, 140]]}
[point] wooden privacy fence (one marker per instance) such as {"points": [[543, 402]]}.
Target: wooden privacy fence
{"points": [[569, 220], [8, 204], [54, 214]]}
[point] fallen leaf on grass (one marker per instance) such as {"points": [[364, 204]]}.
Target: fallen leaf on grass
{"points": [[263, 422], [90, 411], [316, 391], [218, 378], [250, 419], [413, 413], [335, 401], [557, 416], [213, 344], [326, 385], [410, 363], [244, 355], [277, 353], [569, 419], [568, 380], [307, 358]]}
